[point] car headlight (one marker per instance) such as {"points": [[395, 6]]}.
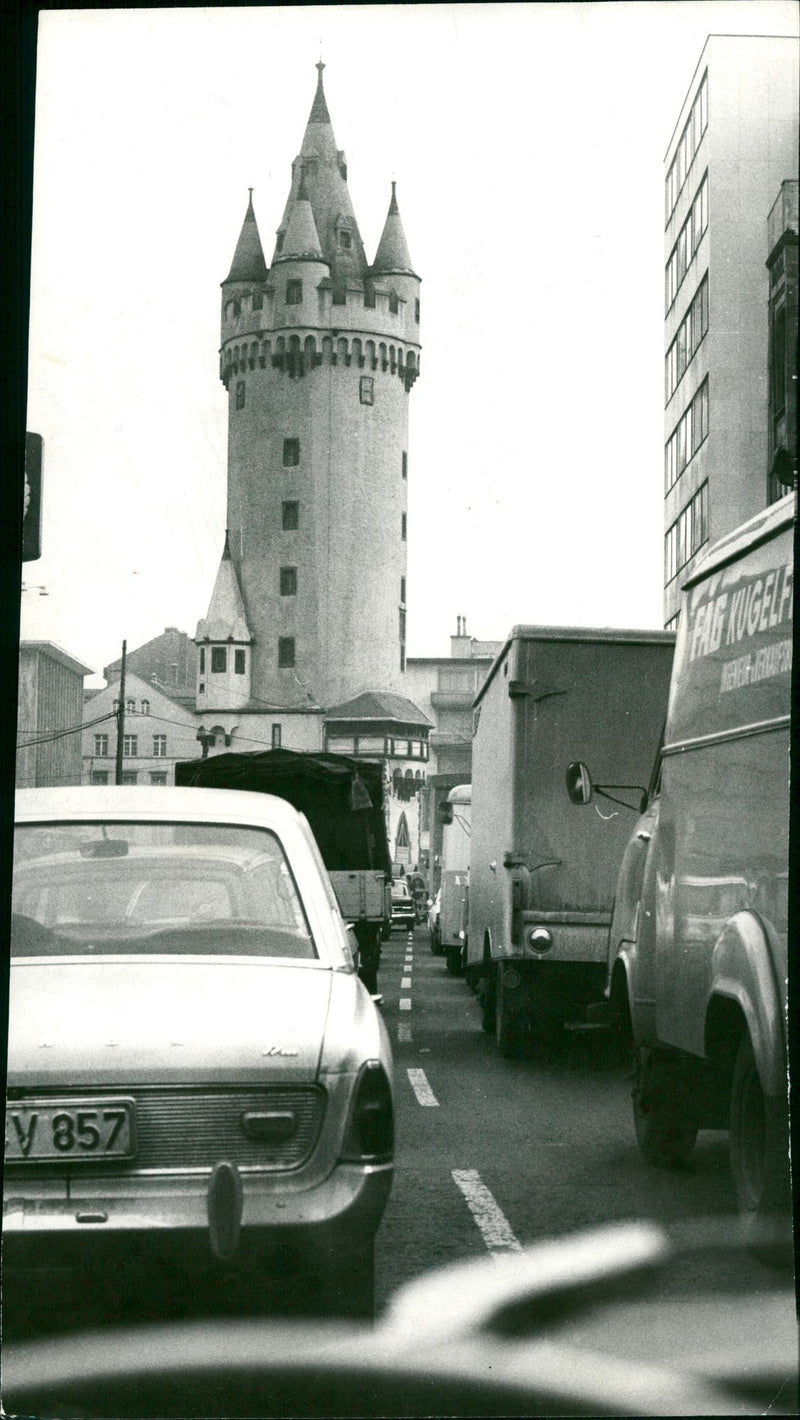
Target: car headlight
{"points": [[370, 1129]]}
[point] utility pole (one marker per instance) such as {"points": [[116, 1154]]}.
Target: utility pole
{"points": [[121, 717]]}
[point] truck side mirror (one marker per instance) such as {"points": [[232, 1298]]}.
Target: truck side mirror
{"points": [[579, 782]]}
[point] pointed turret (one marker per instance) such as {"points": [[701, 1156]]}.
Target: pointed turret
{"points": [[226, 619], [224, 663], [321, 169], [301, 239], [392, 256], [248, 260]]}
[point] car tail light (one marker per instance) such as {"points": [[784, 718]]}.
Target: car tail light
{"points": [[370, 1131]]}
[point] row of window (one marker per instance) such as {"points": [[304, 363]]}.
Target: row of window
{"points": [[294, 294], [377, 744], [689, 433], [688, 241], [690, 333], [130, 746], [129, 776], [687, 534], [219, 660], [694, 129], [130, 707]]}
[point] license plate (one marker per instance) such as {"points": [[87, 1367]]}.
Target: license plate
{"points": [[74, 1130]]}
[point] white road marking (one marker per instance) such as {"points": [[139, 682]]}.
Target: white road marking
{"points": [[404, 1031], [405, 984], [494, 1227], [421, 1088], [405, 1003]]}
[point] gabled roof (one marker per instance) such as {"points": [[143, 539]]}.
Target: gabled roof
{"points": [[392, 254], [226, 619], [378, 705], [248, 260]]}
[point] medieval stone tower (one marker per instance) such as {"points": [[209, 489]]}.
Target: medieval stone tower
{"points": [[319, 352]]}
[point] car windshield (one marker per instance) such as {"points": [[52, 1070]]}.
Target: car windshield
{"points": [[213, 889]]}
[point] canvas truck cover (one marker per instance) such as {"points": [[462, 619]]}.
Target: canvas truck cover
{"points": [[342, 798]]}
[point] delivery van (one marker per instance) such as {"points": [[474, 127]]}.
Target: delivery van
{"points": [[697, 963]]}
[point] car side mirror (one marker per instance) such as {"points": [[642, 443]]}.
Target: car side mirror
{"points": [[579, 782]]}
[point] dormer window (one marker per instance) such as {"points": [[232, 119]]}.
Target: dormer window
{"points": [[294, 293], [345, 239], [258, 300]]}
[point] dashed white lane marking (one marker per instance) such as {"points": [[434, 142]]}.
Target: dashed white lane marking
{"points": [[404, 1032], [405, 984], [421, 1088], [494, 1227], [405, 1003]]}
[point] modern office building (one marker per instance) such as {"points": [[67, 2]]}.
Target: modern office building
{"points": [[49, 716], [734, 144]]}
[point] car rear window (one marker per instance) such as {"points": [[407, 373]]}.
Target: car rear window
{"points": [[193, 888]]}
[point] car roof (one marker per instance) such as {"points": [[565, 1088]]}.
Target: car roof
{"points": [[163, 803]]}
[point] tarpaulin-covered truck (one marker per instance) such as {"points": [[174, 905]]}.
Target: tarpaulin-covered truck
{"points": [[542, 877], [343, 800]]}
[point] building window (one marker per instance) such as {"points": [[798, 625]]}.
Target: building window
{"points": [[339, 297], [290, 516], [145, 707], [286, 654], [394, 304], [202, 660], [404, 464], [288, 581], [402, 591], [345, 240], [116, 707], [366, 389], [369, 297], [276, 736], [202, 687], [403, 525], [159, 746], [689, 433], [239, 661], [294, 293], [99, 776], [291, 453], [402, 615], [687, 534], [279, 241], [219, 660], [416, 311], [101, 746], [130, 777], [258, 300], [688, 241], [402, 658], [240, 394], [691, 331], [158, 776], [693, 131], [130, 746], [672, 624], [130, 707]]}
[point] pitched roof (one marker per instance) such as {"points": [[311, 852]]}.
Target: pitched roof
{"points": [[301, 239], [226, 619], [248, 260], [378, 705], [392, 254]]}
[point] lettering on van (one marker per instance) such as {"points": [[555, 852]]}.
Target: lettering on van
{"points": [[758, 605]]}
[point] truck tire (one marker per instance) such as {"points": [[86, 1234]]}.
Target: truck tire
{"points": [[759, 1144], [436, 942], [663, 1114], [509, 1026]]}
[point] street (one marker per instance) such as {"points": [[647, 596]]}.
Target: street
{"points": [[552, 1142]]}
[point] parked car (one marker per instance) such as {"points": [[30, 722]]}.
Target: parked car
{"points": [[434, 924], [404, 912], [191, 1054]]}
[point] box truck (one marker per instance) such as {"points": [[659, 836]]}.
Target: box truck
{"points": [[542, 876], [455, 813]]}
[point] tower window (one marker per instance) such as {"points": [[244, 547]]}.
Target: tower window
{"points": [[394, 304], [366, 389], [339, 297], [279, 242], [416, 311], [403, 525], [291, 453], [286, 653], [219, 660], [290, 516], [345, 240], [402, 591], [276, 736], [239, 661], [404, 465], [202, 660], [237, 308], [369, 297], [240, 394], [258, 301], [288, 581], [294, 293]]}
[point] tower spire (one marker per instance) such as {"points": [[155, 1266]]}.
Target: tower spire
{"points": [[392, 255], [248, 260]]}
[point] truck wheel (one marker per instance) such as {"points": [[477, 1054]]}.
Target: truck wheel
{"points": [[662, 1110], [509, 1027], [759, 1145], [436, 945]]}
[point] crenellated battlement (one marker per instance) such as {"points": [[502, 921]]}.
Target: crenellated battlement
{"points": [[294, 296], [299, 354]]}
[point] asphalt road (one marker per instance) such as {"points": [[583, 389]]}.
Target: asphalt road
{"points": [[551, 1140]]}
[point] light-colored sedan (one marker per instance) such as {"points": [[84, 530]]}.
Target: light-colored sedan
{"points": [[199, 1085]]}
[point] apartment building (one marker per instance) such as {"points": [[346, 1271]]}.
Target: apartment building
{"points": [[735, 143]]}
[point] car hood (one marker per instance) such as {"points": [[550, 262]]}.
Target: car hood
{"points": [[112, 1021]]}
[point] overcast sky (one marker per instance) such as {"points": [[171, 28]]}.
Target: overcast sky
{"points": [[527, 142]]}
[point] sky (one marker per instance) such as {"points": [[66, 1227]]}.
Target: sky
{"points": [[527, 143]]}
